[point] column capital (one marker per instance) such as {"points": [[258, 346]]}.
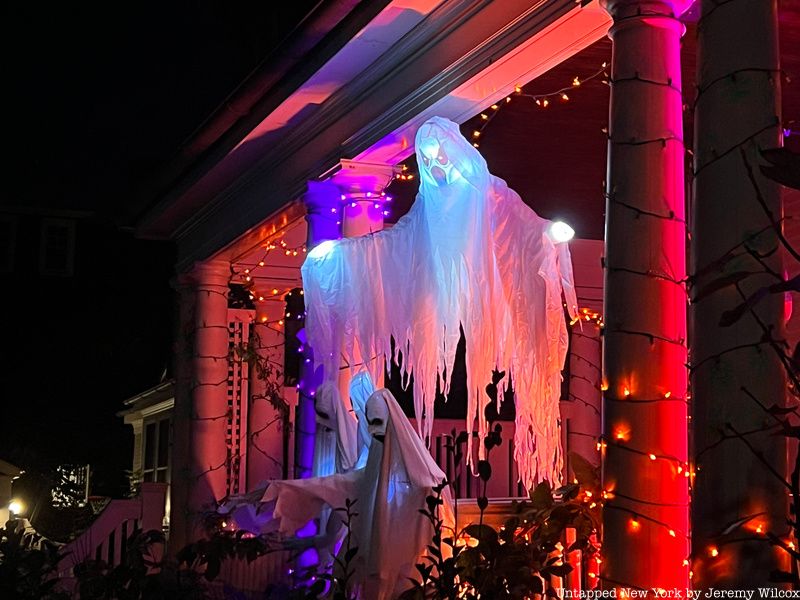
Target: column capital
{"points": [[623, 9], [321, 197], [205, 273], [361, 178]]}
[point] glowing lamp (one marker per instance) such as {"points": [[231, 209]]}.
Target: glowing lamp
{"points": [[561, 232], [322, 250], [16, 507], [622, 432]]}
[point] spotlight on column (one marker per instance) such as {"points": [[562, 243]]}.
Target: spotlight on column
{"points": [[322, 250], [561, 232]]}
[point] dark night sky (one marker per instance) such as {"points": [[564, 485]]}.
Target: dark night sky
{"points": [[102, 94], [98, 97]]}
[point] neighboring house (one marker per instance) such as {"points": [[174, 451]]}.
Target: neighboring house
{"points": [[150, 415], [8, 473]]}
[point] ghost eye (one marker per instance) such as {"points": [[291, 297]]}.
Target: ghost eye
{"points": [[322, 414], [376, 421], [442, 158]]}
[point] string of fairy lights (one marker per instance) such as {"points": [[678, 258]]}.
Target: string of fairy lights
{"points": [[543, 101]]}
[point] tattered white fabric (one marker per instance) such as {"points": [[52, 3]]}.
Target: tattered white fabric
{"points": [[468, 254], [361, 388], [390, 490]]}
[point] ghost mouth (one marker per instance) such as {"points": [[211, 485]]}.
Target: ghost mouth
{"points": [[439, 175]]}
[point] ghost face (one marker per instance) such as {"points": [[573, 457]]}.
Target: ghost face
{"points": [[377, 416], [434, 161]]}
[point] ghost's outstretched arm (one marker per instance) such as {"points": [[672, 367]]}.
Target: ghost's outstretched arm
{"points": [[355, 291]]}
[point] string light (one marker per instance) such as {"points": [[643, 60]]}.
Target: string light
{"points": [[588, 315], [541, 100]]}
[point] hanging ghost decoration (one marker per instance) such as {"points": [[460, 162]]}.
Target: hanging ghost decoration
{"points": [[469, 254]]}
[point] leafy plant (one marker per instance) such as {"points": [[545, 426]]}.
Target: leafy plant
{"points": [[28, 565], [141, 576], [520, 558]]}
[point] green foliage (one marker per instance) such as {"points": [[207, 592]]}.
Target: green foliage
{"points": [[520, 558], [264, 361], [141, 576], [28, 565], [511, 562], [207, 554]]}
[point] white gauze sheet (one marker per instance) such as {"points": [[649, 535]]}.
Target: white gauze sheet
{"points": [[469, 254]]}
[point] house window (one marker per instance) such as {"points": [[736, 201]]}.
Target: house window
{"points": [[156, 451], [57, 250]]}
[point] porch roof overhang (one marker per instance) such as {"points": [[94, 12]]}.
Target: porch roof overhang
{"points": [[414, 59], [152, 400]]}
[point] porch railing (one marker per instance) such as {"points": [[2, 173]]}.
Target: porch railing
{"points": [[105, 539]]}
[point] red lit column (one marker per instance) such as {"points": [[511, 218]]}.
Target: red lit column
{"points": [[736, 214], [323, 204], [200, 454], [645, 520]]}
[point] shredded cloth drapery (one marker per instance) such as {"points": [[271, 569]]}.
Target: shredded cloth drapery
{"points": [[469, 254]]}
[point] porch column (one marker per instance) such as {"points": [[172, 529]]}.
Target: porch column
{"points": [[323, 203], [200, 456], [736, 218], [645, 520]]}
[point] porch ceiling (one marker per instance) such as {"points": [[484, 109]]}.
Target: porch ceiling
{"points": [[453, 62], [430, 57]]}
